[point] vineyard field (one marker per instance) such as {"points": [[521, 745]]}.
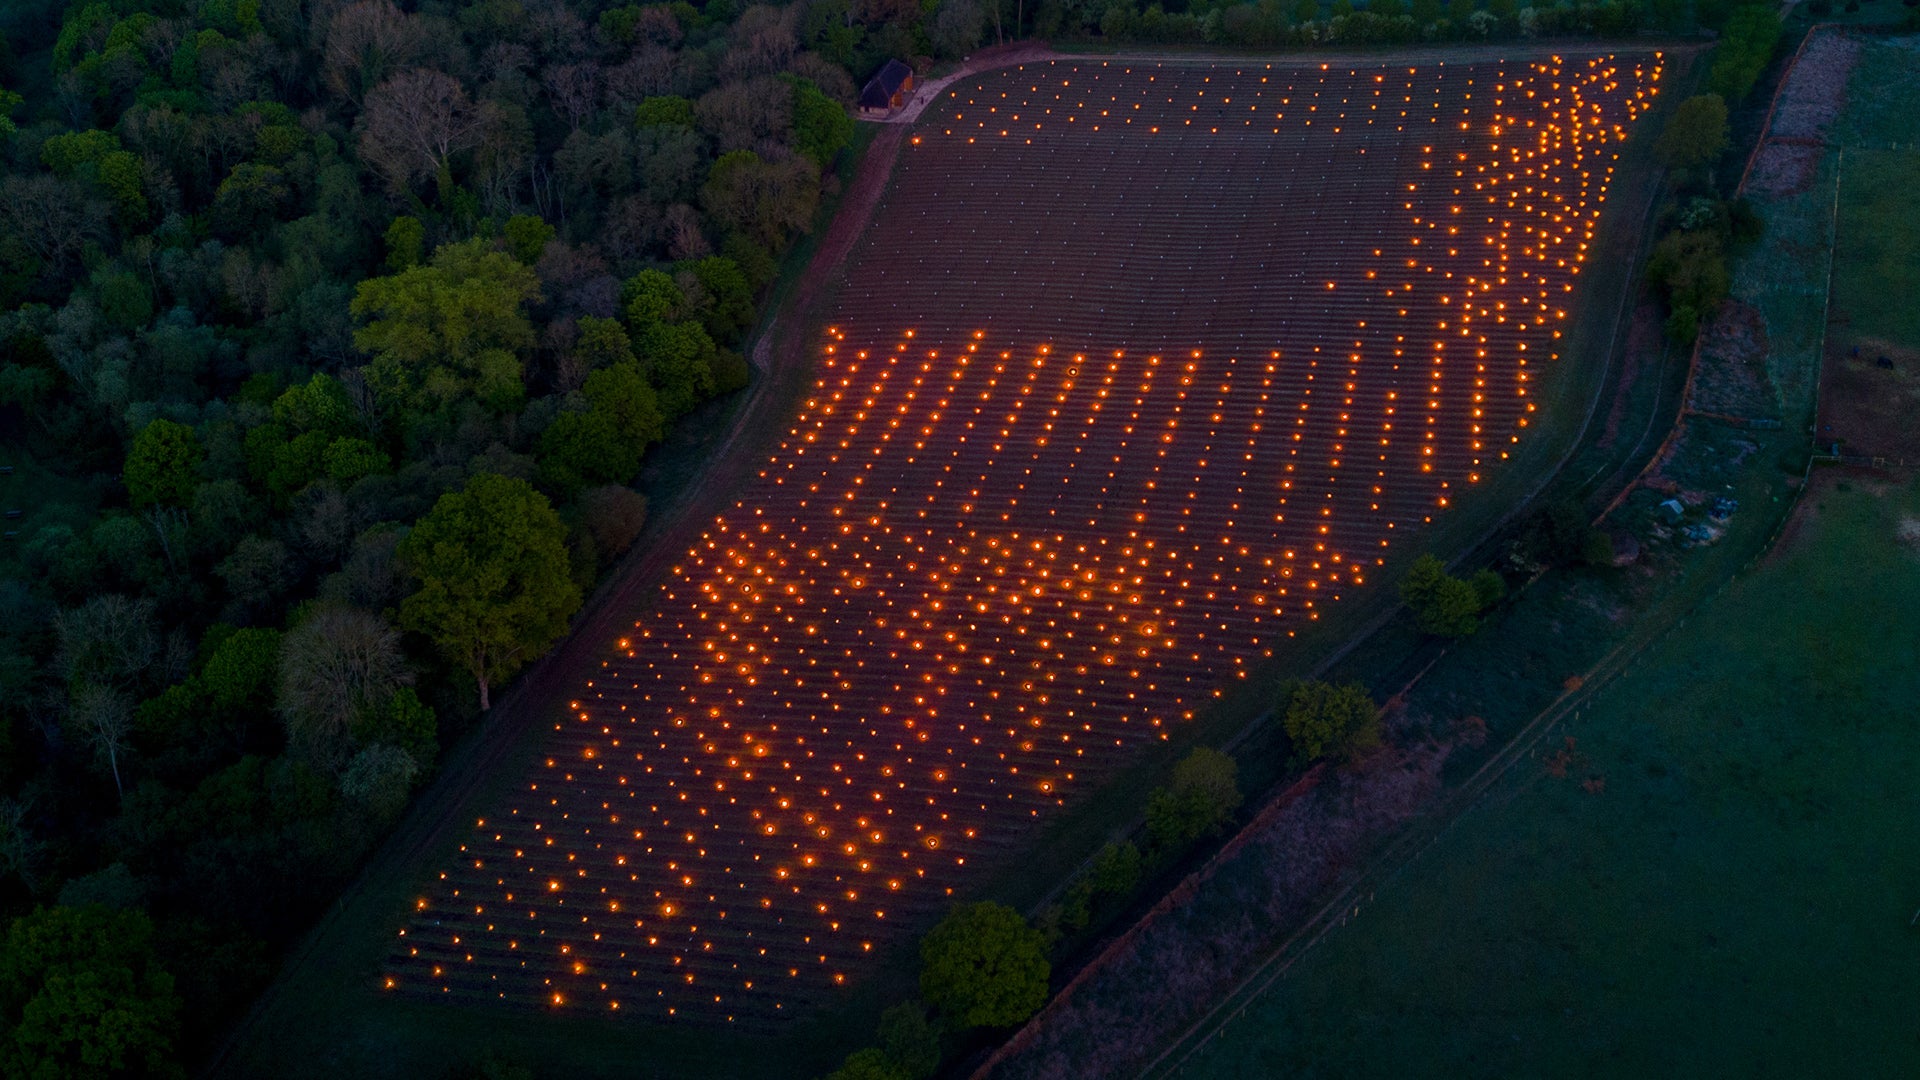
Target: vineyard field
{"points": [[1140, 366]]}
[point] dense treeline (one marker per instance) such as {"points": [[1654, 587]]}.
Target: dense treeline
{"points": [[1690, 264], [334, 334]]}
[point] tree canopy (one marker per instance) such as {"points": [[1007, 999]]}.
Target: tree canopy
{"points": [[82, 994], [1442, 604], [1696, 133], [492, 583], [983, 966], [1324, 720], [1199, 799], [452, 328], [163, 464]]}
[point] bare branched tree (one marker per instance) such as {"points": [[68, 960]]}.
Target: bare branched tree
{"points": [[743, 115], [367, 42], [685, 238], [574, 90], [107, 641], [762, 42], [415, 122], [20, 850], [338, 663], [649, 71], [102, 717], [53, 218]]}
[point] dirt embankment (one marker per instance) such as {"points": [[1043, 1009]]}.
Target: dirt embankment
{"points": [[1170, 968]]}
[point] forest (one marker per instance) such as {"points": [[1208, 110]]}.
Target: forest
{"points": [[333, 337]]}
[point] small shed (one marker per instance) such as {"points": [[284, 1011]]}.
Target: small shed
{"points": [[889, 89]]}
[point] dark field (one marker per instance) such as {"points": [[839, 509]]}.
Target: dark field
{"points": [[1112, 403]]}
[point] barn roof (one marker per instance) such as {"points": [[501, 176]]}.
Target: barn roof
{"points": [[881, 88]]}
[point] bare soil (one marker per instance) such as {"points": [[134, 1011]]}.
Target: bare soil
{"points": [[1815, 92], [1869, 398], [1731, 377]]}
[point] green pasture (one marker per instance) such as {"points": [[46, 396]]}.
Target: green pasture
{"points": [[1737, 896], [1878, 257]]}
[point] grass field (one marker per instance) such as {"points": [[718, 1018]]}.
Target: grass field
{"points": [[1880, 231], [1735, 901]]}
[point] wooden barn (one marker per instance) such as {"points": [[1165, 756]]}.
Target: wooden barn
{"points": [[887, 90]]}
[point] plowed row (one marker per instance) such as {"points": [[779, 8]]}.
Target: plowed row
{"points": [[1139, 367]]}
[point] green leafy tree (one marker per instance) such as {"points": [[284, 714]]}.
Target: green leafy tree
{"points": [[451, 329], [602, 343], [9, 101], [1324, 720], [285, 462], [378, 778], [665, 110], [527, 236], [1746, 46], [1201, 797], [651, 297], [1442, 604], [404, 721], [1557, 535], [82, 994], [1696, 135], [682, 362], [348, 459], [983, 966], [67, 154], [613, 515], [249, 200], [1489, 588], [126, 302], [96, 157], [729, 311], [909, 1040], [1691, 266], [319, 404], [821, 126], [606, 442], [163, 465], [494, 588], [406, 243], [768, 201], [1116, 870], [679, 363], [869, 1063], [242, 671]]}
